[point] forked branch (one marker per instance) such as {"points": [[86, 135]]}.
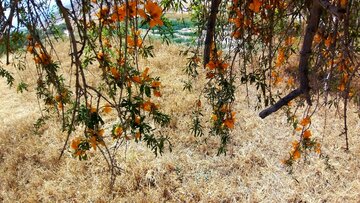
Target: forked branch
{"points": [[312, 26]]}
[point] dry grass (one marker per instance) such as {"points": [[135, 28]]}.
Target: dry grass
{"points": [[251, 172]]}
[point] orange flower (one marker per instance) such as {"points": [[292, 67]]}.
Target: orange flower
{"points": [[100, 56], [341, 87], [60, 105], [115, 73], [100, 132], [328, 41], [145, 74], [132, 42], [157, 93], [93, 110], [305, 121], [79, 153], [30, 49], [102, 13], [224, 108], [119, 13], [148, 106], [43, 58], [307, 134], [237, 21], [155, 12], [236, 34], [93, 142], [75, 143], [296, 154], [136, 79], [224, 66], [343, 3], [155, 84], [281, 58], [295, 145], [29, 37], [107, 108], [318, 148], [137, 135], [214, 117], [142, 13], [211, 65], [118, 131], [137, 120], [247, 22], [255, 6], [133, 8], [277, 80], [107, 42], [229, 122], [58, 98], [210, 75], [298, 129], [317, 38], [291, 81]]}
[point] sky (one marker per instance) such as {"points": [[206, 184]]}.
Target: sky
{"points": [[66, 3]]}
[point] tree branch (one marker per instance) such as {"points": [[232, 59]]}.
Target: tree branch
{"points": [[284, 101], [75, 56], [305, 53], [9, 19], [210, 30], [334, 10]]}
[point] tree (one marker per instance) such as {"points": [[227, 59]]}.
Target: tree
{"points": [[234, 35]]}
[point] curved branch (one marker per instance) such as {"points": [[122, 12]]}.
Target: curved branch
{"points": [[282, 102], [305, 53]]}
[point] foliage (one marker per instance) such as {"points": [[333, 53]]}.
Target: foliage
{"points": [[251, 42]]}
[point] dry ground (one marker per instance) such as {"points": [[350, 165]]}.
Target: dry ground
{"points": [[251, 172]]}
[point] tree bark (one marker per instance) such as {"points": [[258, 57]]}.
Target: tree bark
{"points": [[305, 53], [210, 30]]}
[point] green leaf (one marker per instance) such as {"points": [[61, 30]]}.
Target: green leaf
{"points": [[21, 87], [6, 74], [147, 91]]}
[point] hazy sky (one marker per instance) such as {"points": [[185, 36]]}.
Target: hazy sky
{"points": [[65, 2]]}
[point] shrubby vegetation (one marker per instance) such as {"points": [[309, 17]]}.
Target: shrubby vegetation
{"points": [[253, 42]]}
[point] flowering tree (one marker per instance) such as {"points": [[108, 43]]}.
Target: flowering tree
{"points": [[249, 40]]}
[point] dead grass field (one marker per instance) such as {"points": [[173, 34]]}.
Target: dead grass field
{"points": [[251, 172]]}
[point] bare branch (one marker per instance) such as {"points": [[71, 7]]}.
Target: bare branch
{"points": [[284, 101]]}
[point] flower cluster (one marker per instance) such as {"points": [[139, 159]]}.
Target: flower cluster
{"points": [[148, 10], [306, 143]]}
